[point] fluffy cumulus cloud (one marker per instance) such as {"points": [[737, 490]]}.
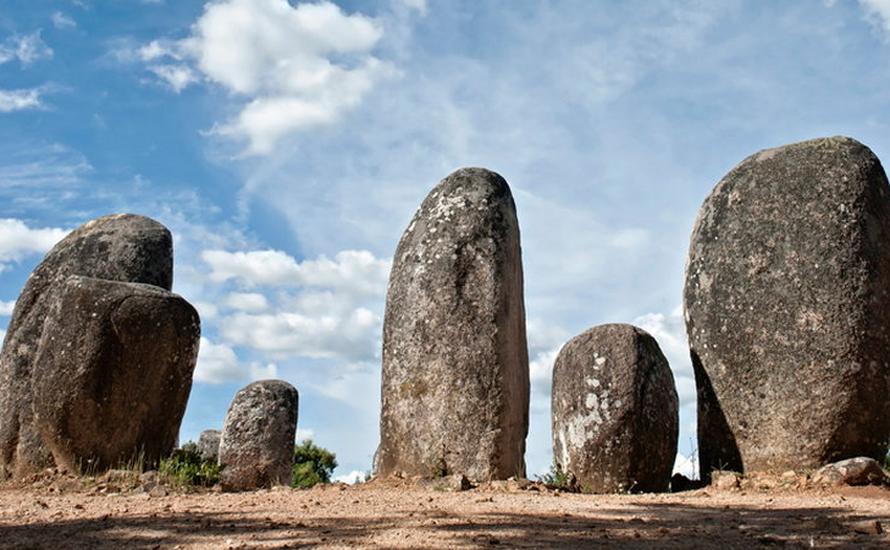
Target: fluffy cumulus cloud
{"points": [[282, 308], [17, 240], [25, 48], [218, 363], [6, 308], [356, 271], [246, 301], [290, 67]]}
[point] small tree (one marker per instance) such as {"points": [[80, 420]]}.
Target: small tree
{"points": [[312, 465]]}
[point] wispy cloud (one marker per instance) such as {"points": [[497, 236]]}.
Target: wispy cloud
{"points": [[20, 100], [62, 21], [878, 13], [25, 48]]}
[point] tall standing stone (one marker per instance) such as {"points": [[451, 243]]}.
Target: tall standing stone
{"points": [[615, 411], [113, 372], [121, 247], [787, 302], [455, 361], [256, 448]]}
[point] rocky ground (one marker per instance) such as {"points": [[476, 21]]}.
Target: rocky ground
{"points": [[67, 513]]}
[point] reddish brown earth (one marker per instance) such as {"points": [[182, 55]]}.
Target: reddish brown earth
{"points": [[65, 514]]}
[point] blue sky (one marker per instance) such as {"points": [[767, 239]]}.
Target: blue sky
{"points": [[288, 145]]}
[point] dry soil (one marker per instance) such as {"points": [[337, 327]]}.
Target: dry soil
{"points": [[377, 515]]}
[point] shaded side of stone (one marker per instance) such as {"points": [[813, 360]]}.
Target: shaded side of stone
{"points": [[455, 361], [113, 372]]}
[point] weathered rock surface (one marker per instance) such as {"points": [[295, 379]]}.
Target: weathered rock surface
{"points": [[853, 471], [208, 445], [121, 247], [455, 362], [113, 372], [256, 448], [787, 302], [615, 411]]}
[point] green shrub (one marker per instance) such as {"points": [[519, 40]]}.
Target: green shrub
{"points": [[186, 468], [312, 465], [557, 478]]}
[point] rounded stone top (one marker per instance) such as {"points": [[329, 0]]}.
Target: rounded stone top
{"points": [[616, 332]]}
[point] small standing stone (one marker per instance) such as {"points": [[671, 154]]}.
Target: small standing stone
{"points": [[256, 448], [615, 411], [208, 445]]}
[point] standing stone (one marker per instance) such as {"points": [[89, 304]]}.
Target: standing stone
{"points": [[615, 411], [455, 363], [256, 448], [787, 304], [113, 372], [121, 247], [208, 445]]}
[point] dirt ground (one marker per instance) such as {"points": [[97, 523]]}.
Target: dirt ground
{"points": [[377, 515]]}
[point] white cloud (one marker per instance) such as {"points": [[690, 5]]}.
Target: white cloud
{"points": [[353, 477], [877, 12], [205, 309], [27, 49], [218, 363], [304, 433], [178, 77], [289, 67], [347, 334], [356, 271], [246, 301], [20, 100], [62, 21], [17, 240], [6, 308]]}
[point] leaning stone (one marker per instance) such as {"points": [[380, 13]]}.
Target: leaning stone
{"points": [[121, 247], [208, 445], [853, 471], [256, 449], [455, 362], [615, 411], [113, 372], [787, 301]]}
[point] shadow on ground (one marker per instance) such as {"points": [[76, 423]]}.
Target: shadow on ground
{"points": [[645, 526]]}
